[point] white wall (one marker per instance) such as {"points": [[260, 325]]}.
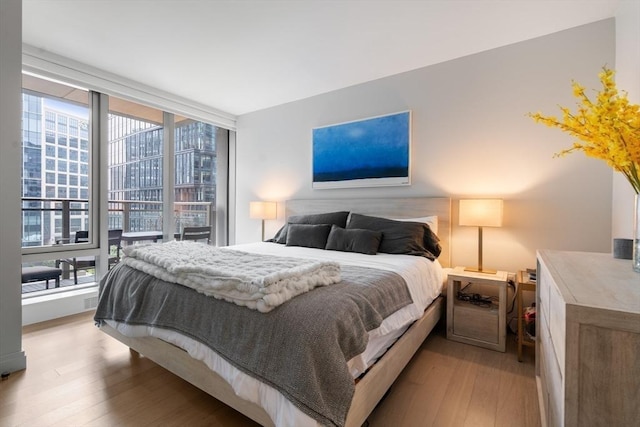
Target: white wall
{"points": [[471, 137], [12, 358], [627, 78]]}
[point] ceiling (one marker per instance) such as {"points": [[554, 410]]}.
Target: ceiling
{"points": [[239, 56]]}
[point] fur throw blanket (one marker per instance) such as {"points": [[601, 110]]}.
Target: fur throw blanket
{"points": [[259, 282]]}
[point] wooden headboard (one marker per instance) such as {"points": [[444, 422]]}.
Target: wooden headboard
{"points": [[386, 208]]}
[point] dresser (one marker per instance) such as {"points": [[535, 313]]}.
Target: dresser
{"points": [[587, 340]]}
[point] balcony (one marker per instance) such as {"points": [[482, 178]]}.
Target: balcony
{"points": [[51, 222]]}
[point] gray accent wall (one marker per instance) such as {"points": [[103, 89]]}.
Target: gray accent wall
{"points": [[471, 137]]}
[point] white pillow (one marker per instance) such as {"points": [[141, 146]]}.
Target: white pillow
{"points": [[431, 221]]}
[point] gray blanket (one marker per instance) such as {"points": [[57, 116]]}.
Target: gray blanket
{"points": [[300, 348]]}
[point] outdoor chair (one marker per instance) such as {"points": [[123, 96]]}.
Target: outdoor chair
{"points": [[89, 262], [196, 233]]}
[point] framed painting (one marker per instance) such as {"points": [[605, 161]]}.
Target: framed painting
{"points": [[363, 153]]}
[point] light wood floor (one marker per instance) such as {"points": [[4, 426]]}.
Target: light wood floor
{"points": [[78, 376]]}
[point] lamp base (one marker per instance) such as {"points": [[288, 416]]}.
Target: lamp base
{"points": [[480, 270]]}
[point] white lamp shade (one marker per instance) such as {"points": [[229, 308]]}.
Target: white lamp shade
{"points": [[262, 210], [481, 212]]}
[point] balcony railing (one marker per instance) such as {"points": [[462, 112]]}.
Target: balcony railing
{"points": [[49, 220]]}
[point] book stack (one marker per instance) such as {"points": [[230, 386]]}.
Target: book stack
{"points": [[531, 275]]}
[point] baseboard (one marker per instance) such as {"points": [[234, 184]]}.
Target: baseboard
{"points": [[13, 362], [60, 304]]}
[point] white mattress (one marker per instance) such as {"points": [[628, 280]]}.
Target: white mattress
{"points": [[425, 282]]}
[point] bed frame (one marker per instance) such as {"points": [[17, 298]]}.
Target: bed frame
{"points": [[375, 383]]}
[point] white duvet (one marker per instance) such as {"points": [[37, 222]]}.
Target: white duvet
{"points": [[425, 282]]}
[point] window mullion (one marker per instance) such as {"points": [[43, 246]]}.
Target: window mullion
{"points": [[168, 173], [99, 184]]}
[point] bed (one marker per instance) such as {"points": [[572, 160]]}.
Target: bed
{"points": [[374, 370]]}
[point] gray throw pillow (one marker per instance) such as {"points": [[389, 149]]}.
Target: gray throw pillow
{"points": [[400, 237], [354, 240], [331, 218], [308, 235]]}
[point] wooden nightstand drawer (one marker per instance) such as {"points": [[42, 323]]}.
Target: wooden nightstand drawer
{"points": [[476, 323]]}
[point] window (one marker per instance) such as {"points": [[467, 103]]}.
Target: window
{"points": [[50, 123], [136, 141], [73, 127], [46, 119], [196, 154], [59, 177], [62, 124]]}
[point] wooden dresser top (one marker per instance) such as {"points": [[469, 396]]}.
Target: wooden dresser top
{"points": [[594, 280]]}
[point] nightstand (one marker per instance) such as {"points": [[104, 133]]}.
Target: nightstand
{"points": [[479, 315], [524, 284]]}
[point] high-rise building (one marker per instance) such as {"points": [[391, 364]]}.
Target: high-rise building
{"points": [[56, 166], [136, 172], [31, 169]]}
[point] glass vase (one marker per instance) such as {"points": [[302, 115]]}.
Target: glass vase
{"points": [[635, 259]]}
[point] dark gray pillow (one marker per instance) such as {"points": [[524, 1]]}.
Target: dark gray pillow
{"points": [[354, 240], [432, 241], [308, 235], [400, 237], [331, 218]]}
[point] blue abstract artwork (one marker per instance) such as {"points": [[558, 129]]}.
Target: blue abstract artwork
{"points": [[363, 153]]}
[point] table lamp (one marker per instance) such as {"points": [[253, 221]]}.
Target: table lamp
{"points": [[480, 213], [263, 211]]}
